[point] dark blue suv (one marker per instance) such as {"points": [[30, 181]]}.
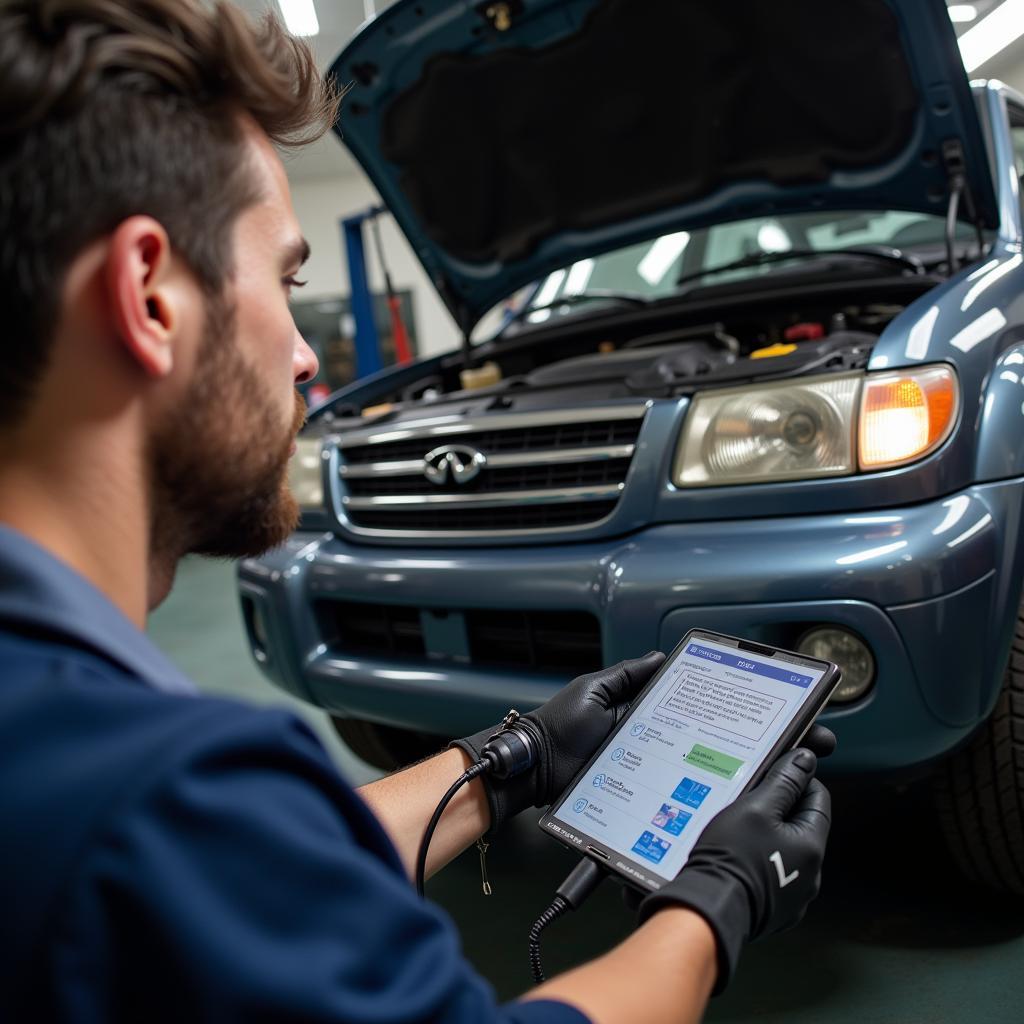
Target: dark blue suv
{"points": [[758, 367]]}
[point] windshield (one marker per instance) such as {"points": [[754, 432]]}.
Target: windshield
{"points": [[652, 269]]}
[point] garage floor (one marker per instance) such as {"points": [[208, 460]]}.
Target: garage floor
{"points": [[895, 938]]}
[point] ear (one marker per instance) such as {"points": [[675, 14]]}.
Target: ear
{"points": [[143, 307]]}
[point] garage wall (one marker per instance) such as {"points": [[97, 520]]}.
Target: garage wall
{"points": [[1006, 67], [320, 204]]}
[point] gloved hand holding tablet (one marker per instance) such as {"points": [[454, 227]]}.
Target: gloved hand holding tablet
{"points": [[678, 784]]}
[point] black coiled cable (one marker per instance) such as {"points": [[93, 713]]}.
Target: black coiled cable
{"points": [[570, 895], [557, 909]]}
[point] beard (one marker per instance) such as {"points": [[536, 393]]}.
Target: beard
{"points": [[219, 461]]}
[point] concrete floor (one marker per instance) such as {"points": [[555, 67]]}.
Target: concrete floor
{"points": [[895, 938]]}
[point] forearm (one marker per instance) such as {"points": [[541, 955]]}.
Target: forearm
{"points": [[404, 802], [662, 974]]}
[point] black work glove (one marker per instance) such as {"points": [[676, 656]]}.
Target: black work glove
{"points": [[566, 730], [757, 865], [820, 740]]}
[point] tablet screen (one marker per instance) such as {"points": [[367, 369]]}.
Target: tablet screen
{"points": [[686, 750]]}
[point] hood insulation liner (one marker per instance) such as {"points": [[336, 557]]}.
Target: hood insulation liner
{"points": [[500, 151]]}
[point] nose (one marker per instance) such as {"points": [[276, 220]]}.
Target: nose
{"points": [[304, 361]]}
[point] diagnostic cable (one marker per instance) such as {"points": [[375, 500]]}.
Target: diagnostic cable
{"points": [[570, 895], [508, 753]]}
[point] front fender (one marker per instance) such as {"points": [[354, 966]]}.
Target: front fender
{"points": [[1000, 424]]}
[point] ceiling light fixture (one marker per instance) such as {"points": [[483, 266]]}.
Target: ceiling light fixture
{"points": [[579, 277], [300, 17], [960, 13], [660, 257], [992, 34]]}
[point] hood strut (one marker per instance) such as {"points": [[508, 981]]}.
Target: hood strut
{"points": [[959, 187]]}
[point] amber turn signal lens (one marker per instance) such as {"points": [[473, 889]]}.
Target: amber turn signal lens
{"points": [[905, 416]]}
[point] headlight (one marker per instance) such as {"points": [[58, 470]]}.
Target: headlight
{"points": [[305, 473], [774, 431], [804, 429]]}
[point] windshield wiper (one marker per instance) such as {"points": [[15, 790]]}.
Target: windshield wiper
{"points": [[595, 295], [757, 259]]}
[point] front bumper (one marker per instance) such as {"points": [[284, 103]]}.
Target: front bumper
{"points": [[933, 588]]}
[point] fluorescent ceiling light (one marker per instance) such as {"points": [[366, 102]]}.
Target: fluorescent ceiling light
{"points": [[549, 289], [962, 12], [579, 277], [300, 17], [655, 264], [772, 237], [992, 34], [545, 296]]}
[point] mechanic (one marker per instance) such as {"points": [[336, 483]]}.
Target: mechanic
{"points": [[171, 857]]}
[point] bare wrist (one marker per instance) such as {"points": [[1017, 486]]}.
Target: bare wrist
{"points": [[681, 925]]}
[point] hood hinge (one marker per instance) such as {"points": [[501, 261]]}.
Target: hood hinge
{"points": [[959, 188]]}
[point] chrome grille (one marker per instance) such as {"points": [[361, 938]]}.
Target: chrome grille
{"points": [[539, 471]]}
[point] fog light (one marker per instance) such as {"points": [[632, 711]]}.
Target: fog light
{"points": [[305, 473], [849, 652]]}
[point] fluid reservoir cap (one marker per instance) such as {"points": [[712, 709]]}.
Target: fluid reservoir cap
{"points": [[481, 377], [772, 351]]}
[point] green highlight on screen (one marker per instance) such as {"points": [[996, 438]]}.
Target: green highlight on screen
{"points": [[714, 761]]}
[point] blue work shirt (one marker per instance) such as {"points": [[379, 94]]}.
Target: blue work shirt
{"points": [[171, 857]]}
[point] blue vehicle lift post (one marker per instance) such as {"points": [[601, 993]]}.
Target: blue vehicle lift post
{"points": [[367, 336], [367, 339]]}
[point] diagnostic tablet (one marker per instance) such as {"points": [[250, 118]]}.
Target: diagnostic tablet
{"points": [[704, 729]]}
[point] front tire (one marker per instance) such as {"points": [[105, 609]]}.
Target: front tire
{"points": [[979, 792]]}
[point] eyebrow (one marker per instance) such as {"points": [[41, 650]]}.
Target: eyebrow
{"points": [[295, 252]]}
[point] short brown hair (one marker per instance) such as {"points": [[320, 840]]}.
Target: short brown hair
{"points": [[111, 108]]}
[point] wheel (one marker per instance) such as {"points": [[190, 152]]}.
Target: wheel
{"points": [[979, 792], [385, 746]]}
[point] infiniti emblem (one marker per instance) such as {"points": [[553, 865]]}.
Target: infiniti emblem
{"points": [[456, 462]]}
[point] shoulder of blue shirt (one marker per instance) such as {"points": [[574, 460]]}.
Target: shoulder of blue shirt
{"points": [[221, 831]]}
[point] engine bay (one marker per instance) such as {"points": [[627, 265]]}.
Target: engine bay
{"points": [[612, 355]]}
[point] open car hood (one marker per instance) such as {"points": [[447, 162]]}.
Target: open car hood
{"points": [[511, 137]]}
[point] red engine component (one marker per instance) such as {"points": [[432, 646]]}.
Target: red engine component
{"points": [[806, 331]]}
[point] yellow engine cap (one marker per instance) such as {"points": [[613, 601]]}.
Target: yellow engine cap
{"points": [[772, 351]]}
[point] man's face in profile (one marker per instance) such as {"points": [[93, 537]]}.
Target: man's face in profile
{"points": [[219, 458]]}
